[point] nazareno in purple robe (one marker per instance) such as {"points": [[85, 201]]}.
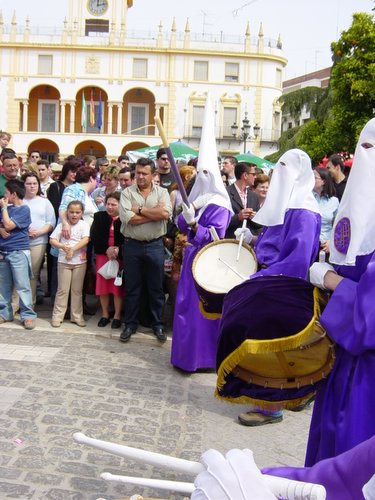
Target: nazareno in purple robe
{"points": [[194, 340], [344, 410], [342, 476], [289, 248]]}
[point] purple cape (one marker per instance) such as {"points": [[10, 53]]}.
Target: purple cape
{"points": [[343, 476], [194, 340], [344, 410], [289, 248]]}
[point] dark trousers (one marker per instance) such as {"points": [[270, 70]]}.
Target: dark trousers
{"points": [[144, 265]]}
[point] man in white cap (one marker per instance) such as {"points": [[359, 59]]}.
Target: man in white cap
{"points": [[56, 170]]}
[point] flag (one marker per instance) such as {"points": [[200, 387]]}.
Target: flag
{"points": [[83, 113], [100, 112], [92, 111]]}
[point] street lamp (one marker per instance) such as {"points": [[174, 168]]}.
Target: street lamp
{"points": [[245, 131]]}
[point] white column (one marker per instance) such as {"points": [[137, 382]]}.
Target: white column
{"points": [[25, 114], [62, 117], [109, 124], [72, 117], [119, 118]]}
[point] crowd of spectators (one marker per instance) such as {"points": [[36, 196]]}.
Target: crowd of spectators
{"points": [[119, 202]]}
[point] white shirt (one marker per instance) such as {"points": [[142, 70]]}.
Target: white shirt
{"points": [[77, 232]]}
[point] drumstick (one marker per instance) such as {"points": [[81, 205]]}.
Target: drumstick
{"points": [[241, 240], [281, 487], [213, 233], [233, 269], [172, 162], [150, 457], [160, 484], [243, 227]]}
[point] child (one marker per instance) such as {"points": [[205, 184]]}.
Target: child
{"points": [[15, 262], [71, 266], [5, 138]]}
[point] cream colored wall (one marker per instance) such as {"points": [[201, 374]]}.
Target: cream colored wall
{"points": [[169, 82]]}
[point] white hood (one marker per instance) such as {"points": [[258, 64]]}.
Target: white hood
{"points": [[208, 179], [354, 228], [291, 186]]}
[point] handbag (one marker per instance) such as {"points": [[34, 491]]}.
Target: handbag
{"points": [[109, 270], [168, 261], [118, 279]]}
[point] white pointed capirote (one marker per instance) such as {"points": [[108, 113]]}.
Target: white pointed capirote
{"points": [[291, 186], [208, 180], [353, 232]]}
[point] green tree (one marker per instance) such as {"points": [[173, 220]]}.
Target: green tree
{"points": [[353, 80], [339, 112], [294, 102]]}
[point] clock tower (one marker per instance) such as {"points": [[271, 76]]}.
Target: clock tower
{"points": [[98, 16]]}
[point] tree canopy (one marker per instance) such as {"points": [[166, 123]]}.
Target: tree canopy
{"points": [[339, 112]]}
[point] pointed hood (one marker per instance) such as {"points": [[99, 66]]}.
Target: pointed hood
{"points": [[208, 179], [354, 228], [291, 186]]}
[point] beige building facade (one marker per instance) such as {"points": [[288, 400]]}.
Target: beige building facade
{"points": [[93, 86]]}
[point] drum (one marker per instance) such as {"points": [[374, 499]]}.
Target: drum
{"points": [[272, 351], [216, 270]]}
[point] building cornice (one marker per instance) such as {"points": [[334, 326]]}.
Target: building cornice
{"points": [[149, 50]]}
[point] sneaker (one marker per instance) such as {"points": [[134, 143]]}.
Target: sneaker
{"points": [[304, 405], [55, 323], [254, 419], [29, 324]]}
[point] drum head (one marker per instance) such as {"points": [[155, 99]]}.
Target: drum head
{"points": [[216, 269]]}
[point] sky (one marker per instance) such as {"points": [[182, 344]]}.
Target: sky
{"points": [[307, 28]]}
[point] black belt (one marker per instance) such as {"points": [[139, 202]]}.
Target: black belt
{"points": [[143, 242]]}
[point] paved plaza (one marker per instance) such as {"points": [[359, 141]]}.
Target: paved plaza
{"points": [[57, 381]]}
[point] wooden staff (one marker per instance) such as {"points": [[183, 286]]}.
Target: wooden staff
{"points": [[175, 170]]}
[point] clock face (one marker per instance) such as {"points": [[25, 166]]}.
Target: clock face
{"points": [[97, 7]]}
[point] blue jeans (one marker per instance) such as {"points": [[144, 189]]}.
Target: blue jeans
{"points": [[144, 264], [15, 271]]}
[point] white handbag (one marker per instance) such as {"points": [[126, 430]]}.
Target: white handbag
{"points": [[109, 270]]}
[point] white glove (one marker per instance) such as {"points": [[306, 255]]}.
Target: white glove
{"points": [[188, 213], [202, 200], [369, 489], [317, 272], [235, 477], [248, 235]]}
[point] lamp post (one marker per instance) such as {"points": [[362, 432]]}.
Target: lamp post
{"points": [[245, 131]]}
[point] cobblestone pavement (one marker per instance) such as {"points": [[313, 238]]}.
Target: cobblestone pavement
{"points": [[57, 381]]}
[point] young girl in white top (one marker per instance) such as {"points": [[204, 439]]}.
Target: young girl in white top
{"points": [[71, 265]]}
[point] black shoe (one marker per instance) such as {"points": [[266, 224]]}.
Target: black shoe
{"points": [[103, 322], [126, 333], [116, 323], [160, 334]]}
